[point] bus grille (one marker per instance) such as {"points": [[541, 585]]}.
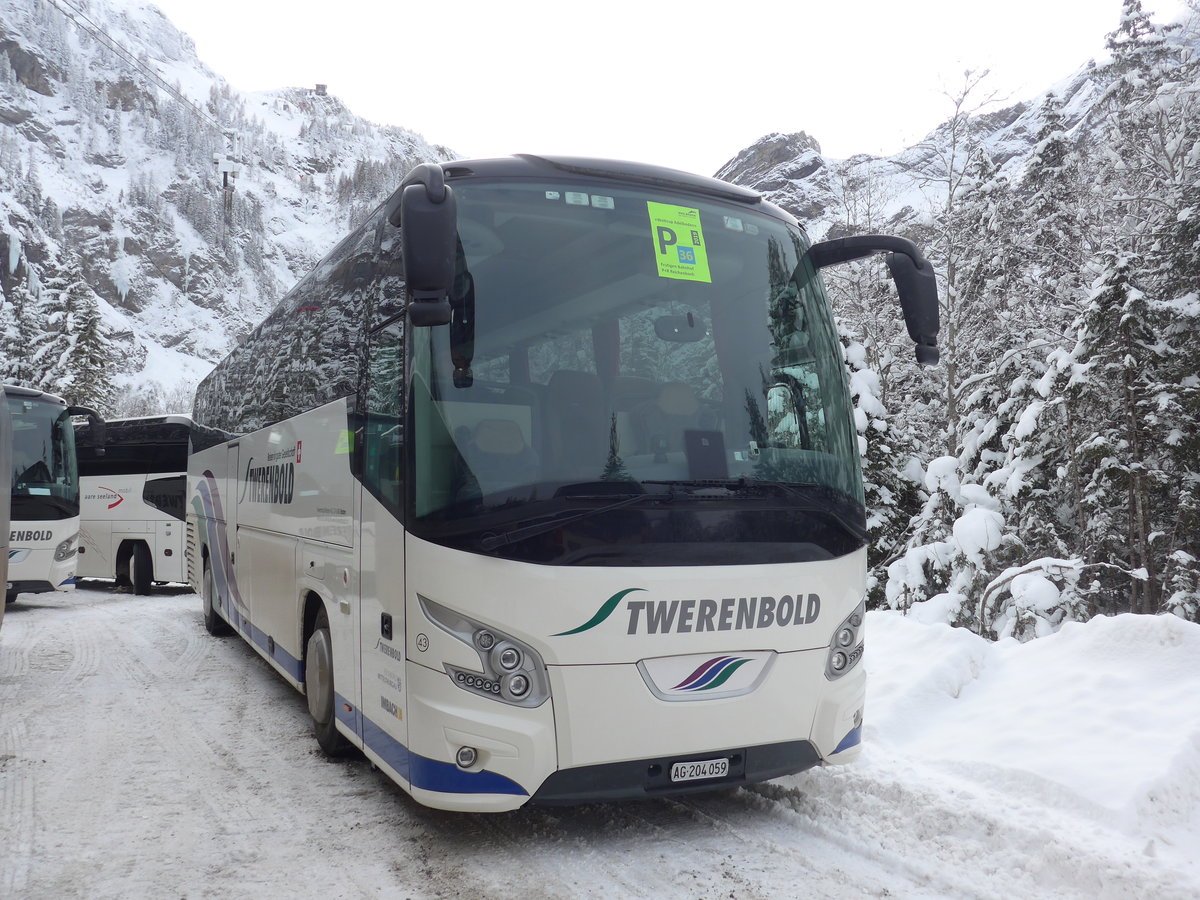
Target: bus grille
{"points": [[192, 551]]}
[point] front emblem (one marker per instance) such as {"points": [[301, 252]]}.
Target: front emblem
{"points": [[702, 676], [712, 674]]}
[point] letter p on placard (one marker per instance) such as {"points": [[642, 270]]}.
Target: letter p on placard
{"points": [[679, 249]]}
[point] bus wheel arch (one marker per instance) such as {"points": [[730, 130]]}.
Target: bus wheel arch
{"points": [[318, 678]]}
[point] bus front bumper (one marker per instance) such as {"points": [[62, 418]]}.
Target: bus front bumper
{"points": [[648, 778]]}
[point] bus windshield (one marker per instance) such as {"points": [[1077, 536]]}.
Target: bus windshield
{"points": [[612, 341], [45, 483]]}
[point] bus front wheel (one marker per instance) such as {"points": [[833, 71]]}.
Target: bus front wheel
{"points": [[213, 623], [318, 686], [141, 568]]}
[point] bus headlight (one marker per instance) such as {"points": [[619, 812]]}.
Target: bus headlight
{"points": [[66, 549], [510, 670], [846, 647]]}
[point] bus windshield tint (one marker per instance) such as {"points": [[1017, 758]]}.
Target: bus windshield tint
{"points": [[45, 483], [607, 333]]}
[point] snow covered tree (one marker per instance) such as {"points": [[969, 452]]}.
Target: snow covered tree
{"points": [[20, 327]]}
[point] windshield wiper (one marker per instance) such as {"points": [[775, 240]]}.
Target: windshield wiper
{"points": [[819, 498], [492, 541]]}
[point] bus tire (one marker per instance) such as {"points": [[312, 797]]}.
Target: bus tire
{"points": [[318, 688], [141, 569], [213, 623]]}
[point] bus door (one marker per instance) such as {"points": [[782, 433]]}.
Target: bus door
{"points": [[381, 542]]}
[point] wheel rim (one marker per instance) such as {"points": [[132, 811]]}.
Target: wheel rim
{"points": [[208, 591], [318, 676]]}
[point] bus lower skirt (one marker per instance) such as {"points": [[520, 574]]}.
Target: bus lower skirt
{"points": [[647, 778]]}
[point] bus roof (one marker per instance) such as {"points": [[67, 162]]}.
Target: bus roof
{"points": [[14, 390], [169, 419], [529, 165]]}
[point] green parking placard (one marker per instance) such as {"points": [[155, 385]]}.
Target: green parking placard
{"points": [[678, 242]]}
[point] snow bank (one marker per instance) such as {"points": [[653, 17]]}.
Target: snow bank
{"points": [[1109, 709]]}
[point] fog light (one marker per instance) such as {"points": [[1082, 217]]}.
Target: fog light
{"points": [[465, 757], [838, 662], [518, 685], [510, 658]]}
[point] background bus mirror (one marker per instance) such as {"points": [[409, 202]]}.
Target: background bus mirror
{"points": [[95, 423], [428, 239], [912, 272]]}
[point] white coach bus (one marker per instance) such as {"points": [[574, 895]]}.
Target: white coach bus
{"points": [[544, 486], [43, 533], [132, 501]]}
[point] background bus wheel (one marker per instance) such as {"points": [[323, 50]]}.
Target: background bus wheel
{"points": [[141, 569], [213, 623], [318, 686]]}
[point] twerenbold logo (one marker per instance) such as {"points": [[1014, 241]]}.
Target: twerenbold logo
{"points": [[712, 674], [694, 616], [602, 613]]}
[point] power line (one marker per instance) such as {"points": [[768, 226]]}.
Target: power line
{"points": [[77, 16]]}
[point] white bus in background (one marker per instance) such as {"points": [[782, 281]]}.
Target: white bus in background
{"points": [[43, 533], [5, 497], [132, 501], [544, 486]]}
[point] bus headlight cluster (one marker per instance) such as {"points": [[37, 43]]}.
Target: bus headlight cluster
{"points": [[66, 549], [846, 648], [511, 671]]}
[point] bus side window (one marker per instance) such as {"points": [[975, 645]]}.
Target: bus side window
{"points": [[384, 437]]}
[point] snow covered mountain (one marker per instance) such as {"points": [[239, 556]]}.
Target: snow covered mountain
{"points": [[149, 213], [791, 171]]}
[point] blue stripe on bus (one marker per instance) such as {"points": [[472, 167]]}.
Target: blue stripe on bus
{"points": [[290, 664], [352, 718], [420, 771], [854, 737], [430, 774]]}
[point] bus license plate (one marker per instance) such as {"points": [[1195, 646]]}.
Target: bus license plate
{"points": [[700, 769]]}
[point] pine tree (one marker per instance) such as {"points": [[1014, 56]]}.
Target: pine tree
{"points": [[93, 358], [20, 327], [1118, 345]]}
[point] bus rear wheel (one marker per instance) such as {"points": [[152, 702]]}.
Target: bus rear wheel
{"points": [[318, 687], [213, 623], [141, 569]]}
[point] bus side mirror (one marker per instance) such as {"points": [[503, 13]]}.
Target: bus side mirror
{"points": [[912, 273], [427, 217], [95, 422]]}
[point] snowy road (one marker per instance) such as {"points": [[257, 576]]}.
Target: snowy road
{"points": [[140, 757]]}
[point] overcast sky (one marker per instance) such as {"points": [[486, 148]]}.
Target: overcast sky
{"points": [[686, 85]]}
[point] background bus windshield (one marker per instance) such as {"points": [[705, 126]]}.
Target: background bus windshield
{"points": [[612, 341], [45, 484]]}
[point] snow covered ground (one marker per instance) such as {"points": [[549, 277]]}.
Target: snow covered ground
{"points": [[140, 757]]}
